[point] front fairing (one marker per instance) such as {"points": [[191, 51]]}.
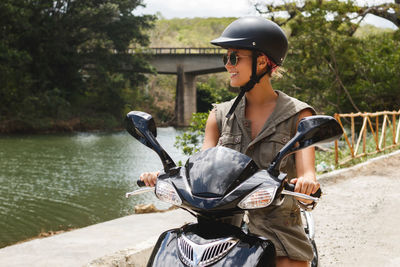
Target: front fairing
{"points": [[216, 180], [250, 250], [215, 171]]}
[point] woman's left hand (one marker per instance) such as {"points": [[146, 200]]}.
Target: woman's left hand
{"points": [[306, 186]]}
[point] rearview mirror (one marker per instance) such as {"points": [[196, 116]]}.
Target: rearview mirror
{"points": [[316, 130], [138, 123], [141, 125], [311, 131]]}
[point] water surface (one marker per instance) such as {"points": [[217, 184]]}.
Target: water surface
{"points": [[58, 182]]}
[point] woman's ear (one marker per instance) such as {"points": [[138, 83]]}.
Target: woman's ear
{"points": [[262, 62]]}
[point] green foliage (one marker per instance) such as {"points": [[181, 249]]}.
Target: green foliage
{"points": [[333, 64], [159, 94], [209, 92], [330, 68], [196, 32], [191, 140], [327, 157], [62, 60], [65, 59]]}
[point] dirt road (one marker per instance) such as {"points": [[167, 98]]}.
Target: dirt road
{"points": [[357, 220]]}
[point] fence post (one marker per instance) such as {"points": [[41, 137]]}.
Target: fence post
{"points": [[365, 134], [394, 127], [336, 147], [398, 129], [352, 131], [379, 134]]}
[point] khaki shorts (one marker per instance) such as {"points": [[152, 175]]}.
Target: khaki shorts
{"points": [[282, 224]]}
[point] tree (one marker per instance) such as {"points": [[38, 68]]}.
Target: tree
{"points": [[332, 69], [69, 58]]}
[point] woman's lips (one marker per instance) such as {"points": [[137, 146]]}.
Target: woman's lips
{"points": [[233, 74]]}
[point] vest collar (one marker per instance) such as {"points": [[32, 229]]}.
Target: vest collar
{"points": [[284, 109]]}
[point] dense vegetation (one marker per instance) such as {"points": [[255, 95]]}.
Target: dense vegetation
{"points": [[65, 64], [336, 67], [333, 63]]}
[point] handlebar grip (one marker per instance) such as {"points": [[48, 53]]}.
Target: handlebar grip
{"points": [[318, 193], [140, 183], [290, 187]]}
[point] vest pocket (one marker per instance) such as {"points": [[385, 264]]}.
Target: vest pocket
{"points": [[230, 141], [271, 146]]}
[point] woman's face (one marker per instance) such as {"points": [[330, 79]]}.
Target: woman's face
{"points": [[241, 72]]}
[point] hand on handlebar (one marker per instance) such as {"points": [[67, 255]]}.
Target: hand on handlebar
{"points": [[149, 178], [305, 186]]}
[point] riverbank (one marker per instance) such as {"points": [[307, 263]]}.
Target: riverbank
{"points": [[100, 123], [51, 126], [103, 244]]}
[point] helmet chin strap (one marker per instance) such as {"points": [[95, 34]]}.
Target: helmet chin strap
{"points": [[254, 79]]}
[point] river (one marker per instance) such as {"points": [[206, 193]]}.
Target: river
{"points": [[61, 182]]}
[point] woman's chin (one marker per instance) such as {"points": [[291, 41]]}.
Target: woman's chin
{"points": [[236, 84]]}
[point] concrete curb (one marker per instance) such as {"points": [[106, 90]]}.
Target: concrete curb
{"points": [[126, 241], [337, 174], [135, 257]]}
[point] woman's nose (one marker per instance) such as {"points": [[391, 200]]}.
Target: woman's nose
{"points": [[228, 65]]}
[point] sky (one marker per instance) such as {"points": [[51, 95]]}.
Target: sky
{"points": [[222, 8]]}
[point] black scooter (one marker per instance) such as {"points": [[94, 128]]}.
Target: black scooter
{"points": [[217, 186]]}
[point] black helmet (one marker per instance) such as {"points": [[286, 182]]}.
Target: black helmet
{"points": [[255, 33]]}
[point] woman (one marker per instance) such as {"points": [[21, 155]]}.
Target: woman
{"points": [[259, 125]]}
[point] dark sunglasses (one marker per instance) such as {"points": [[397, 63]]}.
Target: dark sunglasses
{"points": [[233, 58]]}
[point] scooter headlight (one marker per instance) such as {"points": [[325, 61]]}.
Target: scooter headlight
{"points": [[166, 192], [259, 198]]}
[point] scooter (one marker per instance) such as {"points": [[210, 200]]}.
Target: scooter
{"points": [[217, 186]]}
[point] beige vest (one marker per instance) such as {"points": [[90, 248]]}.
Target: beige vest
{"points": [[280, 127]]}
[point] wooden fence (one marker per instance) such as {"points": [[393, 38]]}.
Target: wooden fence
{"points": [[370, 125]]}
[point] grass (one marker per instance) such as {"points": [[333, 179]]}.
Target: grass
{"points": [[327, 157]]}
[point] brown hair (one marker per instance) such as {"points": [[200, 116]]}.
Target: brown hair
{"points": [[274, 71]]}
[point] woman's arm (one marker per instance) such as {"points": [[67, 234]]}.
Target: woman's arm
{"points": [[306, 181], [211, 134]]}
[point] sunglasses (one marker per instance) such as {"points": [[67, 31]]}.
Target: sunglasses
{"points": [[232, 58]]}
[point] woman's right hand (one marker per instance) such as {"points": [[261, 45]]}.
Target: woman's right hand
{"points": [[149, 178]]}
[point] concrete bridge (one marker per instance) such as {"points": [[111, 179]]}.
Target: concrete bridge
{"points": [[186, 63]]}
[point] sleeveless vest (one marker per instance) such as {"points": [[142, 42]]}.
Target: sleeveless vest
{"points": [[279, 222], [280, 127]]}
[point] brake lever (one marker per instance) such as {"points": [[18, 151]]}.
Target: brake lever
{"points": [[299, 195], [139, 191]]}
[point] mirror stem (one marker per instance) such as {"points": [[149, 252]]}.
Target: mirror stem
{"points": [[166, 160]]}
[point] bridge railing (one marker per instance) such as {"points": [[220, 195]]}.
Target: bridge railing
{"points": [[183, 50]]}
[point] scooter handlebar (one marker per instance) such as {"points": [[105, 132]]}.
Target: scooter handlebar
{"points": [[290, 187]]}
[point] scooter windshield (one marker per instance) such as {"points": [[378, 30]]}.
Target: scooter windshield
{"points": [[213, 172]]}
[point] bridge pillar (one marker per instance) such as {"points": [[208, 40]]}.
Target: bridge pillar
{"points": [[185, 99]]}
